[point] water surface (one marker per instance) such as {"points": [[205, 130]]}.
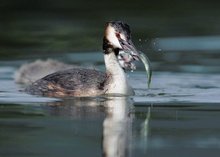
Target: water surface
{"points": [[178, 116]]}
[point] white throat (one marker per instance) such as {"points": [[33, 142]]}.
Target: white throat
{"points": [[117, 80]]}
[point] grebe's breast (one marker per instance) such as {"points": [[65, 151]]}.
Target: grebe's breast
{"points": [[71, 82]]}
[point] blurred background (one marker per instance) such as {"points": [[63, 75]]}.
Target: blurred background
{"points": [[180, 36]]}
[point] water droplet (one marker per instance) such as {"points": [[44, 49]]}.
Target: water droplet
{"points": [[132, 71], [159, 50], [139, 39]]}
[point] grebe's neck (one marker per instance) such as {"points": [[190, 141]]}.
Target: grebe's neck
{"points": [[117, 82]]}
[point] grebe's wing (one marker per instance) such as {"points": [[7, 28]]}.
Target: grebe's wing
{"points": [[71, 82]]}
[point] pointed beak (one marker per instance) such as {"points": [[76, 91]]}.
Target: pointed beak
{"points": [[128, 47]]}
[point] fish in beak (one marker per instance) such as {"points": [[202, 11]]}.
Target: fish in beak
{"points": [[129, 54]]}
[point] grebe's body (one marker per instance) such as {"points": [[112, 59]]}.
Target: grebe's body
{"points": [[79, 82], [70, 82]]}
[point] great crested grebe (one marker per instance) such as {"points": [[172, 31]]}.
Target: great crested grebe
{"points": [[119, 54]]}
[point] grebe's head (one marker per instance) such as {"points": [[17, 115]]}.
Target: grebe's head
{"points": [[117, 40], [118, 33]]}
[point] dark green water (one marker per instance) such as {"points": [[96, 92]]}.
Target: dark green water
{"points": [[178, 116]]}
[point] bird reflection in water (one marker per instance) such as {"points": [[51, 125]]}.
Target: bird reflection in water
{"points": [[117, 130], [118, 114]]}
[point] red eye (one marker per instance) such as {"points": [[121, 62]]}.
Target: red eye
{"points": [[117, 35]]}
